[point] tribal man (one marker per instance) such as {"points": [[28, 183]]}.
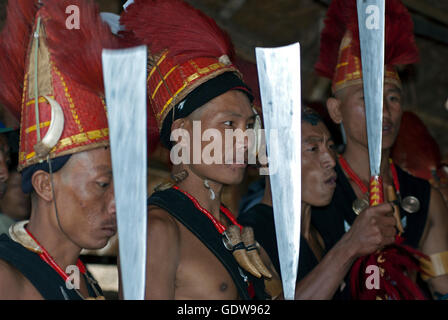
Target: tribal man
{"points": [[52, 77], [196, 249], [423, 217], [320, 271]]}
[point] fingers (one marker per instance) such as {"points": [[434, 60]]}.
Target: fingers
{"points": [[387, 221], [384, 209], [388, 232]]}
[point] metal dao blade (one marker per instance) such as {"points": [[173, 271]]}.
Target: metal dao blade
{"points": [[279, 77], [125, 84], [371, 15]]}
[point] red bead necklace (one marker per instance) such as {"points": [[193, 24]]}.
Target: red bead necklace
{"points": [[355, 178], [45, 256], [218, 225]]}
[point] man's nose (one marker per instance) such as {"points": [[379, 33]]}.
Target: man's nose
{"points": [[328, 159], [386, 108], [111, 207]]}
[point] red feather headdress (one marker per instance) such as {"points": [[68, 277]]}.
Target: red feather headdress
{"points": [[415, 150], [77, 52], [14, 40], [187, 49], [342, 21], [176, 26], [69, 71]]}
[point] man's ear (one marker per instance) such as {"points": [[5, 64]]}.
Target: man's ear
{"points": [[179, 124], [42, 185], [181, 131], [334, 109]]}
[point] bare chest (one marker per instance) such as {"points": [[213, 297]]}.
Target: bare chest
{"points": [[200, 275]]}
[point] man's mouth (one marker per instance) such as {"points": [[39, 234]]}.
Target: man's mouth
{"points": [[387, 127], [331, 181], [109, 229]]}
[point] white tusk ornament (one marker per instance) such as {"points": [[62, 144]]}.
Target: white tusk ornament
{"points": [[54, 132]]}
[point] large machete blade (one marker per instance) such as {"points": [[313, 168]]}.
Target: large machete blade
{"points": [[279, 77], [371, 16], [125, 85]]}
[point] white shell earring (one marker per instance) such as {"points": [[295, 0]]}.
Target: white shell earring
{"points": [[207, 186]]}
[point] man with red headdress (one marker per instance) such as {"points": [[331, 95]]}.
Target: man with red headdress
{"points": [[51, 76], [417, 152], [196, 249], [423, 218]]}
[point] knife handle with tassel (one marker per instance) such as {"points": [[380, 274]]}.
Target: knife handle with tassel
{"points": [[376, 191]]}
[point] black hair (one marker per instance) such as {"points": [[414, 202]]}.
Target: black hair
{"points": [[311, 116]]}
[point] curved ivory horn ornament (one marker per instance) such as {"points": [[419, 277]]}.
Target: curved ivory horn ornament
{"points": [[249, 241], [54, 132], [239, 250], [257, 129]]}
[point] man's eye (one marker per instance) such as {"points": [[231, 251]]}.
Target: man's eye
{"points": [[229, 123], [394, 99], [312, 149], [103, 184], [250, 125]]}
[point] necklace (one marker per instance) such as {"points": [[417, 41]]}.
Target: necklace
{"points": [[218, 225], [362, 203], [410, 204], [353, 176], [221, 229], [23, 236], [45, 256]]}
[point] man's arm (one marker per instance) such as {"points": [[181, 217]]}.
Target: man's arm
{"points": [[373, 229], [435, 238], [14, 286], [162, 257], [7, 282]]}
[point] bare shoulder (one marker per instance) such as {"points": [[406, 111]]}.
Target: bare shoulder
{"points": [[13, 285], [435, 238], [163, 231], [159, 220], [163, 245], [438, 211], [8, 278]]}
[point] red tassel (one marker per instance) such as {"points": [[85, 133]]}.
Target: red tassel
{"points": [[397, 261]]}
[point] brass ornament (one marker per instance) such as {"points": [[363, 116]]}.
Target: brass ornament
{"points": [[410, 204], [359, 205]]}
